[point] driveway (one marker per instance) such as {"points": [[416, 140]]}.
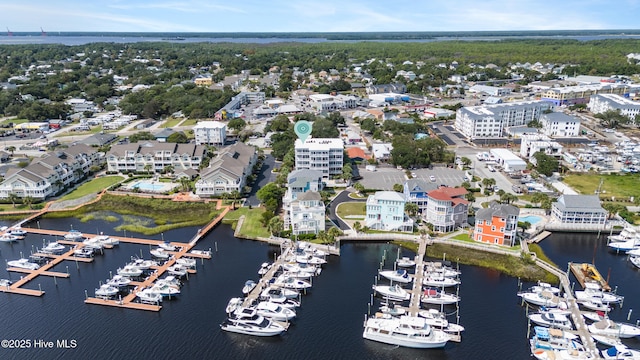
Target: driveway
{"points": [[342, 197], [265, 176]]}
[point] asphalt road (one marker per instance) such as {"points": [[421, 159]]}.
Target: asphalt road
{"points": [[265, 176], [342, 197]]}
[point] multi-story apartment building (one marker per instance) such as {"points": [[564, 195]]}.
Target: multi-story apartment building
{"points": [[324, 155], [210, 133], [578, 209], [532, 143], [51, 173], [447, 208], [154, 156], [325, 102], [385, 211], [497, 224], [557, 124], [604, 102], [581, 94], [228, 171], [489, 121]]}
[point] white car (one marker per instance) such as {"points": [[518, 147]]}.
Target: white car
{"points": [[432, 178]]}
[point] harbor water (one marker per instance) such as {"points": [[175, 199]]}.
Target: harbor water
{"points": [[329, 323]]}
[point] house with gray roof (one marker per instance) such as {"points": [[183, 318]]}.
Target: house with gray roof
{"points": [[154, 156], [497, 224], [228, 171], [306, 214], [578, 209], [299, 183], [385, 211], [51, 173]]}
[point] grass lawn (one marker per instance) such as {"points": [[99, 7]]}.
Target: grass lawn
{"points": [[356, 196], [463, 237], [15, 121], [94, 130], [351, 208], [171, 123], [251, 226], [190, 122], [613, 185], [93, 186]]}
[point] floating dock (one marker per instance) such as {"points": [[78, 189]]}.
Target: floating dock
{"points": [[585, 272]]}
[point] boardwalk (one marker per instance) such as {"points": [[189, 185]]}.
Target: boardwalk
{"points": [[416, 291]]}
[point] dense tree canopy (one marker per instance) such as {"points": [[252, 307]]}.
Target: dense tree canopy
{"points": [[546, 164], [408, 152]]}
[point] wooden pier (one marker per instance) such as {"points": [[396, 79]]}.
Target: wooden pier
{"points": [[416, 291], [586, 272], [266, 278]]}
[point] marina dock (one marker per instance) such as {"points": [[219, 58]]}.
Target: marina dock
{"points": [[416, 291], [586, 272]]}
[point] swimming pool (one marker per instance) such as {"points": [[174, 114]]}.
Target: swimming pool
{"points": [[532, 219], [147, 186]]}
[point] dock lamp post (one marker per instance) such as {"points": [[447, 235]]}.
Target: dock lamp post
{"points": [[162, 236]]}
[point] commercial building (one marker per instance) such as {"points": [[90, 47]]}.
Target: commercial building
{"points": [[578, 209], [497, 224], [509, 161], [557, 124], [324, 155], [385, 211], [604, 102], [490, 90], [325, 102], [532, 143], [210, 133]]}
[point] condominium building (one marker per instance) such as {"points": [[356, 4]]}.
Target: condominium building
{"points": [[447, 208], [604, 102], [325, 102], [578, 209], [557, 124], [580, 94], [385, 211], [532, 143], [324, 155], [210, 133], [489, 121], [154, 156], [228, 171], [497, 224]]}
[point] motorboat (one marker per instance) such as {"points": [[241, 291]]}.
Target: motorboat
{"points": [[119, 281], [159, 253], [400, 275], [440, 281], [620, 352], [291, 282], [201, 252], [170, 280], [106, 290], [301, 270], [177, 270], [83, 252], [148, 296], [167, 246], [438, 297], [405, 262], [392, 292], [73, 235], [393, 310], [543, 298], [186, 262], [552, 320], [548, 344], [5, 283], [439, 320], [310, 249], [264, 268], [129, 271], [106, 240], [143, 264], [93, 243], [247, 321], [278, 298], [23, 264], [628, 233], [165, 289], [624, 246], [233, 304], [6, 237], [406, 331], [439, 270], [635, 260], [543, 286], [17, 231], [594, 316], [611, 328], [595, 305], [249, 285], [53, 248], [310, 259], [593, 291], [607, 340], [275, 311], [278, 291]]}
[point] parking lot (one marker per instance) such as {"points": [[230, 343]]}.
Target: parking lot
{"points": [[386, 176]]}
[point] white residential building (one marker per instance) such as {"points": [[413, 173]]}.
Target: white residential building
{"points": [[325, 102], [489, 121], [557, 124], [578, 209], [381, 152], [154, 156], [447, 208], [306, 214], [385, 211], [605, 102], [228, 171], [532, 143], [324, 155], [490, 90], [210, 133]]}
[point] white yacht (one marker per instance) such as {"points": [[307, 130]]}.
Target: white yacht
{"points": [[620, 352], [23, 264], [264, 268], [440, 281], [6, 237], [274, 311], [249, 285], [119, 281], [612, 328], [393, 292], [547, 344], [143, 264], [406, 331], [74, 235], [83, 252], [93, 243], [438, 297], [53, 248], [129, 271], [177, 270], [550, 319], [291, 283], [186, 262], [167, 246], [310, 259], [405, 262], [201, 252], [17, 231], [635, 260], [106, 290], [607, 340], [593, 291], [233, 304], [624, 246], [165, 289], [247, 321], [628, 233], [106, 240], [5, 283], [595, 305], [278, 291], [169, 280], [543, 286], [439, 270], [439, 320], [543, 298], [400, 275], [148, 296], [159, 253]]}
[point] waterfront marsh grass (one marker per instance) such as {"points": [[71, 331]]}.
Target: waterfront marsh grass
{"points": [[94, 186], [251, 226], [351, 208], [536, 249], [619, 186], [509, 265], [163, 214]]}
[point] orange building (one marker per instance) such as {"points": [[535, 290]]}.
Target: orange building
{"points": [[497, 224]]}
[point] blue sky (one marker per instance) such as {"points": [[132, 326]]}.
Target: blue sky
{"points": [[316, 15]]}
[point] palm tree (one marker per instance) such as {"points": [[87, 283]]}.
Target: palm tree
{"points": [[168, 169], [13, 197], [357, 226], [235, 195], [411, 209], [28, 201], [488, 182], [147, 168], [11, 149], [333, 233], [185, 184], [359, 188], [275, 226]]}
